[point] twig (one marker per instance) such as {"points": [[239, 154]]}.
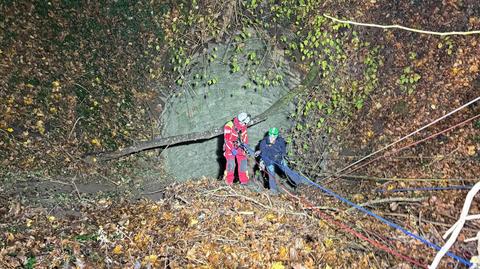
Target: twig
{"points": [[181, 199], [388, 200], [76, 189], [73, 128], [164, 141], [215, 190], [153, 192], [244, 197], [322, 208], [412, 216], [59, 182], [440, 159], [268, 198], [79, 85], [404, 28], [104, 177]]}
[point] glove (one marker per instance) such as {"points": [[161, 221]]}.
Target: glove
{"points": [[257, 153], [262, 165], [234, 152]]}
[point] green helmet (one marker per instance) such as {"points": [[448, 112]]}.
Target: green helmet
{"points": [[273, 132]]}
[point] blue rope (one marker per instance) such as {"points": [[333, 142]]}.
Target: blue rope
{"points": [[428, 189], [289, 172]]}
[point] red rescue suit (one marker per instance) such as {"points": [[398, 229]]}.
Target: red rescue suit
{"points": [[235, 132]]}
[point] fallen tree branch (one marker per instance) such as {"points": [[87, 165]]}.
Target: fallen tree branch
{"points": [[388, 200], [162, 141], [200, 136]]}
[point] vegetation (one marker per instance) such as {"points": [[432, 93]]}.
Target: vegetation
{"points": [[82, 78]]}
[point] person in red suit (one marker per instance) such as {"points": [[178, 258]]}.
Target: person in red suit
{"points": [[234, 134]]}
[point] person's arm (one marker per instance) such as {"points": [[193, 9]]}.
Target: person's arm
{"points": [[227, 137], [244, 135], [263, 146], [264, 153]]}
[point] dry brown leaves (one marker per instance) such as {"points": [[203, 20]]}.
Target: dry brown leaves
{"points": [[197, 225]]}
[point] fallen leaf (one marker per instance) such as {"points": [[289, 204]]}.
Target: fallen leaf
{"points": [[473, 68], [56, 84], [270, 217], [277, 265], [283, 255], [118, 249], [10, 237], [328, 242], [151, 259], [95, 142], [471, 150], [193, 221]]}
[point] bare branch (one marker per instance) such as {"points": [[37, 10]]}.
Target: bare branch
{"points": [[389, 200]]}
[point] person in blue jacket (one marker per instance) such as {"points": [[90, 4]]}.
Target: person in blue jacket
{"points": [[273, 150]]}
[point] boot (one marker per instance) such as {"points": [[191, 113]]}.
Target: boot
{"points": [[252, 186]]}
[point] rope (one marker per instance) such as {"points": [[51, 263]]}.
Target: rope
{"points": [[389, 223], [401, 179], [457, 227], [403, 28], [336, 223], [342, 225], [290, 173], [349, 229], [402, 148], [428, 189], [398, 158], [407, 136]]}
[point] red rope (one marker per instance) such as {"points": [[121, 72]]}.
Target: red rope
{"points": [[350, 230], [407, 146], [353, 232]]}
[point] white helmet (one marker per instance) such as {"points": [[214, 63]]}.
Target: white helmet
{"points": [[243, 118]]}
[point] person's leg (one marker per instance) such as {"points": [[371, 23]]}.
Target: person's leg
{"points": [[229, 173], [242, 168], [271, 178]]}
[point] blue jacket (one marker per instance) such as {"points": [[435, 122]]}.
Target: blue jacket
{"points": [[273, 152]]}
